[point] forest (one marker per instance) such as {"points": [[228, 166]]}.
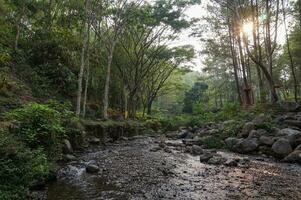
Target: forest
{"points": [[150, 99]]}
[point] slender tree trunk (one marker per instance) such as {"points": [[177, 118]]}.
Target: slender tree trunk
{"points": [[243, 65], [18, 28], [234, 61], [87, 72], [125, 102], [290, 55], [82, 66], [107, 84], [149, 106]]}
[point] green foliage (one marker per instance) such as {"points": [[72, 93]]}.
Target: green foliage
{"points": [[195, 96], [38, 126], [20, 167], [212, 142]]}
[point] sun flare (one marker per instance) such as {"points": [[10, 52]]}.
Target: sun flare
{"points": [[247, 28]]}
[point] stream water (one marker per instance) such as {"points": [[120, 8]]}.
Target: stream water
{"points": [[132, 170]]}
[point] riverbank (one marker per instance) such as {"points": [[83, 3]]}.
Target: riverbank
{"points": [[141, 168]]}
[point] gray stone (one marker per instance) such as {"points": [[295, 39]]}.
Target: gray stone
{"points": [[254, 134], [261, 119], [94, 140], [196, 150], [67, 147], [291, 135], [282, 147], [248, 127], [92, 168], [298, 147], [246, 145], [185, 134], [190, 142], [294, 157], [231, 142], [296, 123], [266, 140], [231, 163], [69, 157], [205, 156], [155, 149], [217, 160]]}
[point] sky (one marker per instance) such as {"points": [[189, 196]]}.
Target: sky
{"points": [[196, 11]]}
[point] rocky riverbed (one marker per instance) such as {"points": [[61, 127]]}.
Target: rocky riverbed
{"points": [[158, 168]]}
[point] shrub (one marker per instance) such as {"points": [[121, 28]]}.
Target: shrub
{"points": [[212, 142], [20, 167], [38, 126]]}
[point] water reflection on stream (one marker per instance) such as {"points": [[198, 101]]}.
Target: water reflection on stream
{"points": [[129, 170]]}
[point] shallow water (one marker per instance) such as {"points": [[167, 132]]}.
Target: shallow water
{"points": [[129, 170]]}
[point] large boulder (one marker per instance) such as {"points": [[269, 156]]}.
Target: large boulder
{"points": [[185, 134], [246, 145], [91, 168], [67, 147], [282, 147], [94, 140], [298, 147], [293, 136], [290, 106], [266, 140], [261, 119], [294, 157], [296, 123], [217, 160], [231, 142], [205, 156], [255, 134], [247, 128], [196, 150]]}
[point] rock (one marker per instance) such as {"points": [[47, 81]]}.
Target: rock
{"points": [[282, 147], [172, 135], [155, 149], [167, 150], [289, 106], [190, 142], [94, 140], [266, 140], [291, 135], [294, 157], [185, 134], [248, 127], [123, 138], [246, 145], [67, 147], [217, 160], [296, 123], [231, 163], [205, 156], [298, 147], [196, 150], [69, 157], [92, 168], [231, 142], [254, 134], [261, 120]]}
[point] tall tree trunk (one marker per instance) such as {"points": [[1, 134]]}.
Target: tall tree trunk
{"points": [[290, 55], [18, 28], [87, 71], [234, 61], [82, 66], [243, 65], [107, 84], [125, 102]]}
